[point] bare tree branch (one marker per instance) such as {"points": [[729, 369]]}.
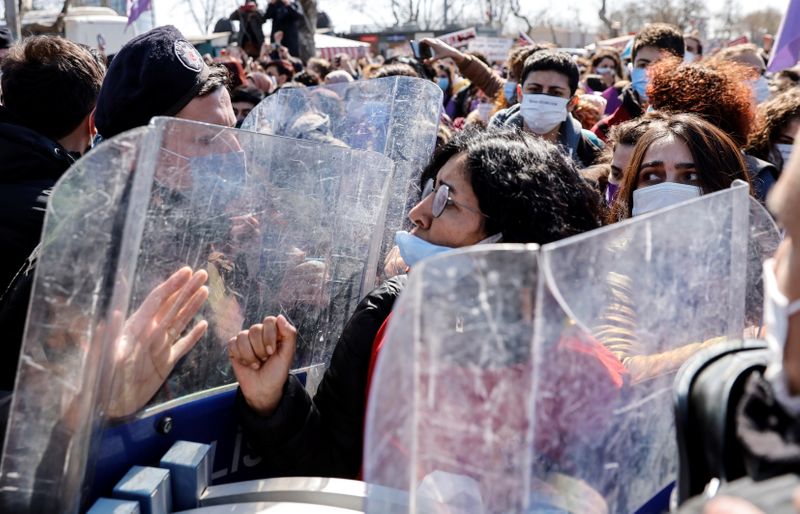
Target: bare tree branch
{"points": [[517, 12]]}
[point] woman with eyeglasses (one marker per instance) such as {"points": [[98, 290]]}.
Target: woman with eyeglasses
{"points": [[481, 187]]}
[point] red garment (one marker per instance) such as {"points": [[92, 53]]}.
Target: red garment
{"points": [[581, 381], [377, 344], [602, 127], [614, 369]]}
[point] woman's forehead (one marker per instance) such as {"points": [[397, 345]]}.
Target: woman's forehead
{"points": [[454, 170], [668, 148]]}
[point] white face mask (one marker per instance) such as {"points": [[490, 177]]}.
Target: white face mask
{"points": [[785, 151], [605, 71], [659, 196], [484, 110], [760, 88], [543, 113], [689, 57]]}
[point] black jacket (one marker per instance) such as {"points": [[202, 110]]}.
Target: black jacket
{"points": [[762, 175], [579, 144], [250, 23], [285, 19], [324, 436], [30, 165], [769, 435]]}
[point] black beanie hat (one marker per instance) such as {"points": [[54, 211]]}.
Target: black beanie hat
{"points": [[155, 74]]}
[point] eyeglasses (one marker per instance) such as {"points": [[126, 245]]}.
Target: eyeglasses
{"points": [[442, 199]]}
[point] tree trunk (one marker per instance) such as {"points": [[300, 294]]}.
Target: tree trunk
{"points": [[307, 29]]}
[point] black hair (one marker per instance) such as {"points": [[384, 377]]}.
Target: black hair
{"points": [[284, 68], [308, 78], [248, 94], [529, 190], [41, 64], [553, 60], [424, 71], [297, 64], [659, 35], [395, 70]]}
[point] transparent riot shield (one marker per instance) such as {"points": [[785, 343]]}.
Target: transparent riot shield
{"points": [[395, 116], [278, 226], [517, 379]]}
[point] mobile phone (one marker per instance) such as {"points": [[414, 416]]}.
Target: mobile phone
{"points": [[595, 82], [420, 50]]}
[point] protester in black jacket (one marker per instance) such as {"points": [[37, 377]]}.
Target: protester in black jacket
{"points": [[285, 16], [489, 186], [250, 36], [41, 135]]}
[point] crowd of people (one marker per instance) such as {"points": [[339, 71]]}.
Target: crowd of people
{"points": [[541, 147]]}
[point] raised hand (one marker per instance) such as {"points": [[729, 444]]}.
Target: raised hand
{"points": [[153, 339], [442, 50], [261, 358]]}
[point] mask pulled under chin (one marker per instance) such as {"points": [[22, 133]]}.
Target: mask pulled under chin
{"points": [[659, 196], [543, 113], [413, 249]]}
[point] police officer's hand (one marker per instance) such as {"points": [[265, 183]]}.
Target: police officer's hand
{"points": [[261, 358]]}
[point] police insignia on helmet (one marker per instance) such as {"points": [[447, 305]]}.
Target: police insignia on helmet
{"points": [[188, 55]]}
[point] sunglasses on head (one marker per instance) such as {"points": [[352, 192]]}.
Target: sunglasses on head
{"points": [[442, 198]]}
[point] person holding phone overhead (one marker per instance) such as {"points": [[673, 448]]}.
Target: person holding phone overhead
{"points": [[250, 36]]}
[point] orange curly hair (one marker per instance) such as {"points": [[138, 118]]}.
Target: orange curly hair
{"points": [[716, 92]]}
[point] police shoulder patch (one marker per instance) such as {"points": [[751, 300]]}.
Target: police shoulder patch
{"points": [[188, 55]]}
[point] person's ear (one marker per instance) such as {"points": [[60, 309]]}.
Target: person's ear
{"points": [[92, 126], [519, 92]]}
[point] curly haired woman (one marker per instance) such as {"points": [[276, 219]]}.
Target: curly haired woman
{"points": [[715, 92]]}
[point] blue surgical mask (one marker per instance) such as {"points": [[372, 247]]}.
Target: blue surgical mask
{"points": [[639, 81], [444, 83], [785, 151], [760, 89], [510, 91], [413, 249]]}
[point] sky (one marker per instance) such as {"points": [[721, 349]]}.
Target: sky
{"points": [[344, 16]]}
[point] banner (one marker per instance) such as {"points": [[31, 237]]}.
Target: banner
{"points": [[786, 50], [459, 39], [494, 48]]}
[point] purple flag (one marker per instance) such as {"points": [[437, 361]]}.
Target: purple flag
{"points": [[786, 50], [136, 8]]}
